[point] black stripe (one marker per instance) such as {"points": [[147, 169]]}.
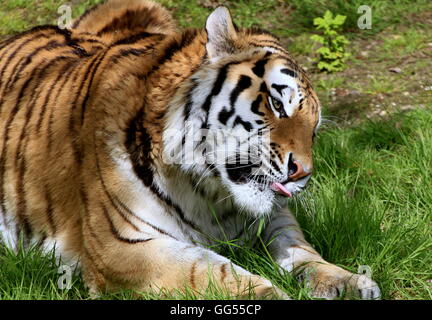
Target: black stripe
{"points": [[301, 103], [12, 55], [115, 24], [138, 144], [42, 239], [21, 206], [8, 42], [178, 210], [256, 104], [289, 72], [89, 86], [79, 51], [189, 102], [259, 31], [225, 115], [91, 40], [217, 86], [273, 42], [246, 124], [124, 53], [3, 55], [137, 37], [61, 88], [43, 108], [244, 83], [174, 46], [277, 48], [263, 87], [275, 165], [26, 60], [279, 87], [116, 233], [259, 68]]}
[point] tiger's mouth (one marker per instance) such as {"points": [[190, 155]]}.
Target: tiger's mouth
{"points": [[242, 174], [281, 189]]}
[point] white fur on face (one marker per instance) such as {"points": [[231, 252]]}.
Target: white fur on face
{"points": [[290, 95]]}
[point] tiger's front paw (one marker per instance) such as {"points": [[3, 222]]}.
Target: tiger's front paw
{"points": [[264, 289], [272, 293], [331, 282]]}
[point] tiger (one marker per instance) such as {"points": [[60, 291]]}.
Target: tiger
{"points": [[106, 153]]}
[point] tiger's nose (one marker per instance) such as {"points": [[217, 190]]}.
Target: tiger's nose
{"points": [[295, 170]]}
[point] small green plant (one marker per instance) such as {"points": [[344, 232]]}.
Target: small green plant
{"points": [[331, 55]]}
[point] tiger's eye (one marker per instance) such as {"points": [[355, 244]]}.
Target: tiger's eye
{"points": [[277, 104]]}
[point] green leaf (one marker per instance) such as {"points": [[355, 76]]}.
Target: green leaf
{"points": [[317, 38], [339, 20], [319, 22], [331, 32], [323, 51], [323, 65], [328, 16]]}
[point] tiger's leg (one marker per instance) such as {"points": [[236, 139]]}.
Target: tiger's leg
{"points": [[112, 262], [291, 251]]}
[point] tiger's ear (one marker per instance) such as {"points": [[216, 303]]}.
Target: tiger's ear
{"points": [[221, 34]]}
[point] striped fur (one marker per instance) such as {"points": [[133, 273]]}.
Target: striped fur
{"points": [[84, 121]]}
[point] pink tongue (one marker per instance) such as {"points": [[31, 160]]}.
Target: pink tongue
{"points": [[279, 188]]}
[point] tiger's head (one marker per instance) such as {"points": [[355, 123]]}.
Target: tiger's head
{"points": [[246, 119]]}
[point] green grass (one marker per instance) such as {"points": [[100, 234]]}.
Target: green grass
{"points": [[370, 202], [283, 17], [408, 42], [19, 15]]}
